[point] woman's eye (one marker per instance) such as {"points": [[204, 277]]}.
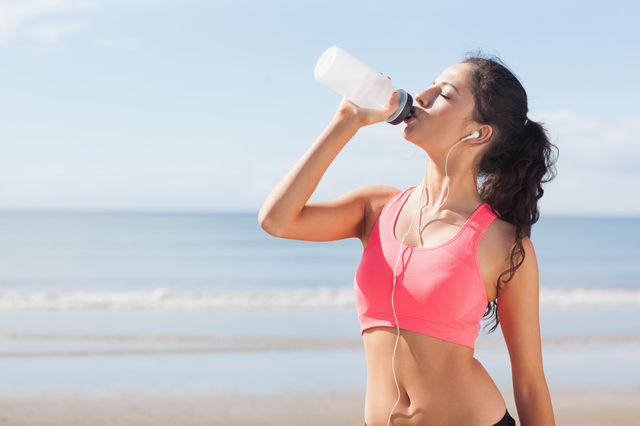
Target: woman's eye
{"points": [[444, 96]]}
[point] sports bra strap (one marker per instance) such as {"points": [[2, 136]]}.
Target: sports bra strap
{"points": [[480, 221]]}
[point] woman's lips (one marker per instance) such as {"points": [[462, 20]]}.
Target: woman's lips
{"points": [[412, 116]]}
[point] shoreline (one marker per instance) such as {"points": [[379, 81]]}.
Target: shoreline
{"points": [[572, 407]]}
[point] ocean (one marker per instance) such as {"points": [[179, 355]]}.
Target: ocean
{"points": [[181, 302]]}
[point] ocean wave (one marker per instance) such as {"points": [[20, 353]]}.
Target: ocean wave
{"points": [[174, 299], [589, 297], [162, 299]]}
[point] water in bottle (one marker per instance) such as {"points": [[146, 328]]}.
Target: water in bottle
{"points": [[358, 82]]}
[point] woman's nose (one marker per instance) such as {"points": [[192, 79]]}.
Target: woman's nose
{"points": [[423, 99]]}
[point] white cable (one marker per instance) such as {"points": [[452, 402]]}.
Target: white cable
{"points": [[395, 268], [393, 305]]}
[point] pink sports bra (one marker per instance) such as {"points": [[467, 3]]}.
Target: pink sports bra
{"points": [[439, 290]]}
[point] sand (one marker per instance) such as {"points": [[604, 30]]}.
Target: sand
{"points": [[571, 406]]}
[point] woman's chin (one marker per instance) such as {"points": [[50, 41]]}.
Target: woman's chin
{"points": [[409, 135]]}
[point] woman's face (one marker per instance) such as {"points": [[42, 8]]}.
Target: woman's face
{"points": [[443, 112]]}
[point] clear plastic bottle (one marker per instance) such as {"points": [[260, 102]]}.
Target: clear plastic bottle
{"points": [[358, 82]]}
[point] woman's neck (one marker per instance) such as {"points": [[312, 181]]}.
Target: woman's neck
{"points": [[454, 185]]}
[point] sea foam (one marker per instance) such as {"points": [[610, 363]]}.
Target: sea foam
{"points": [[164, 299]]}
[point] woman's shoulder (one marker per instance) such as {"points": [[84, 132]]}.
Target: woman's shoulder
{"points": [[380, 194], [502, 236], [495, 248], [498, 242], [501, 233], [375, 198]]}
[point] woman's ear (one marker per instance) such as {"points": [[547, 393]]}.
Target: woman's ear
{"points": [[484, 134]]}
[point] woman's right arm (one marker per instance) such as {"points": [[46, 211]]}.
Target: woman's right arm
{"points": [[286, 212]]}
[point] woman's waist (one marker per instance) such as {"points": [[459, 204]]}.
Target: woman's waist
{"points": [[428, 376], [432, 375], [430, 382], [417, 353], [443, 398]]}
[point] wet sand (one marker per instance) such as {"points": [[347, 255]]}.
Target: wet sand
{"points": [[571, 406]]}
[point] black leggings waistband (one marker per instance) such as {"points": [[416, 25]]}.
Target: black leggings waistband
{"points": [[507, 420]]}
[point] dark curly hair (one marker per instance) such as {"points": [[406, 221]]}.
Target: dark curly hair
{"points": [[517, 161]]}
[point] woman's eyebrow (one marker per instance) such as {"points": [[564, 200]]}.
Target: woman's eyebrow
{"points": [[446, 83], [449, 84]]}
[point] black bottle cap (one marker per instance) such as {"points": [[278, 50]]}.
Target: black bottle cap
{"points": [[404, 111]]}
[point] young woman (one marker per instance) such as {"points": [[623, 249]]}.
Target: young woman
{"points": [[437, 256]]}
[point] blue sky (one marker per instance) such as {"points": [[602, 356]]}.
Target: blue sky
{"points": [[204, 105]]}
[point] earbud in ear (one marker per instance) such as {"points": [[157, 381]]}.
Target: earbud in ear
{"points": [[471, 136]]}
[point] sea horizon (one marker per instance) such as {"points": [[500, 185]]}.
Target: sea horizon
{"points": [[249, 212]]}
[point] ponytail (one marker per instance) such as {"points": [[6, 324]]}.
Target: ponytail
{"points": [[517, 161]]}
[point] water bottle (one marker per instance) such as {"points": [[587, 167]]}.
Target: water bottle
{"points": [[360, 83]]}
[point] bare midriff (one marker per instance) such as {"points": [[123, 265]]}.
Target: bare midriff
{"points": [[441, 383]]}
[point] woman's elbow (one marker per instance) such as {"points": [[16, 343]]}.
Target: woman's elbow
{"points": [[269, 223], [265, 221]]}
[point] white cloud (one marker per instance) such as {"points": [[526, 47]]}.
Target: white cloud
{"points": [[105, 43], [131, 44], [598, 169], [52, 33], [156, 184], [111, 43], [14, 15]]}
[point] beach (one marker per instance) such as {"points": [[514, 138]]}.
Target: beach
{"points": [[136, 378], [572, 407]]}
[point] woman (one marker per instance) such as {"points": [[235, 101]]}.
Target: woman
{"points": [[437, 255]]}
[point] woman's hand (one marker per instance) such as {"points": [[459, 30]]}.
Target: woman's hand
{"points": [[366, 116]]}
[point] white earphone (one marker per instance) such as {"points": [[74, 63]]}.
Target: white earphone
{"points": [[471, 136]]}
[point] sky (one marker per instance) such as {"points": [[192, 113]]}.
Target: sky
{"points": [[197, 105]]}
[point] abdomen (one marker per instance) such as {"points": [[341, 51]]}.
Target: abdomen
{"points": [[440, 382]]}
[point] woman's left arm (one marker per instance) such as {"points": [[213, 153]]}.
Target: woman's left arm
{"points": [[518, 305]]}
